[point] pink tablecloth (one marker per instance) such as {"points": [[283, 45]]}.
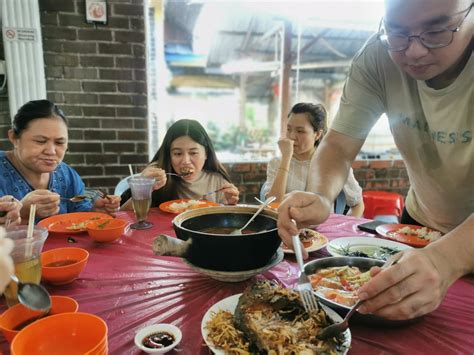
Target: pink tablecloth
{"points": [[129, 287]]}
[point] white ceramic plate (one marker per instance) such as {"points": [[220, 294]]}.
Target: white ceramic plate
{"points": [[369, 246], [318, 241], [230, 303]]}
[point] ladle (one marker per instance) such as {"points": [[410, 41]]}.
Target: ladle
{"points": [[265, 204], [32, 296]]}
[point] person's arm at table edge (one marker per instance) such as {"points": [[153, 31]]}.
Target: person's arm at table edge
{"points": [[278, 187], [356, 210], [331, 164], [457, 248], [447, 259], [328, 172]]}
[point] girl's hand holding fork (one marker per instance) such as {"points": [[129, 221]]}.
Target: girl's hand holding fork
{"points": [[154, 172], [231, 194]]}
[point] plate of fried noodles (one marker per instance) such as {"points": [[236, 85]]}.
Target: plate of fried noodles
{"points": [[272, 333]]}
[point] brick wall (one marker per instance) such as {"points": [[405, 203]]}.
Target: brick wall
{"points": [[97, 75], [387, 175]]}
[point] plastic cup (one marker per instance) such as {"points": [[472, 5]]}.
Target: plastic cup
{"points": [[26, 257], [141, 188]]}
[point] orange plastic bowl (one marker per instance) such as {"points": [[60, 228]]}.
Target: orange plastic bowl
{"points": [[106, 230], [63, 265], [65, 333], [18, 314]]}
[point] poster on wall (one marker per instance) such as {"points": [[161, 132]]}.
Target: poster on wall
{"points": [[96, 11]]}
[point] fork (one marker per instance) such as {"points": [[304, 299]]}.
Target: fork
{"points": [[336, 328], [179, 175], [203, 197], [304, 287]]}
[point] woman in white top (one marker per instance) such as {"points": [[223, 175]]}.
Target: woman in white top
{"points": [[307, 124]]}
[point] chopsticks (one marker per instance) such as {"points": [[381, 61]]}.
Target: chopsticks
{"points": [[29, 232]]}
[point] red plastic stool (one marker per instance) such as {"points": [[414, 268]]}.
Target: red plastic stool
{"points": [[382, 203]]}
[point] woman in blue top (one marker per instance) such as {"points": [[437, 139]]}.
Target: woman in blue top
{"points": [[33, 172]]}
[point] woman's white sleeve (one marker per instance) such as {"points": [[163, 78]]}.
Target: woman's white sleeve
{"points": [[352, 190]]}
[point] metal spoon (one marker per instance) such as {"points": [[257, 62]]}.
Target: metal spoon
{"points": [[265, 204], [77, 198], [32, 296]]}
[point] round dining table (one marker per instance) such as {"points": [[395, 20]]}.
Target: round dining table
{"points": [[129, 287]]}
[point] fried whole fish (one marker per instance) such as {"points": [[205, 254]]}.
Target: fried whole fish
{"points": [[273, 319]]}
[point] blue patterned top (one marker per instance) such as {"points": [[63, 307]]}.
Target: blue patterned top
{"points": [[64, 181]]}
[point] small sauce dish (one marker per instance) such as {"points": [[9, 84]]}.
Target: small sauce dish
{"points": [[165, 335]]}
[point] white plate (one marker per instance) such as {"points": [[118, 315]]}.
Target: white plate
{"points": [[230, 303], [319, 241], [363, 244]]}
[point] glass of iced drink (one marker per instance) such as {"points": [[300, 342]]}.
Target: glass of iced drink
{"points": [[141, 188], [26, 257]]}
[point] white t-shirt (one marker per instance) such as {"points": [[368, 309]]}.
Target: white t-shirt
{"points": [[431, 128], [298, 179], [206, 182]]}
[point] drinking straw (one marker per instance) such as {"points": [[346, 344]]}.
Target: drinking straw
{"points": [[31, 226], [131, 169]]}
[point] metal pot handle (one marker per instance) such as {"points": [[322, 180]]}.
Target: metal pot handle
{"points": [[165, 245]]}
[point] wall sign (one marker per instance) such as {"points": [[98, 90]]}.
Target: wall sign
{"points": [[96, 11], [19, 34]]}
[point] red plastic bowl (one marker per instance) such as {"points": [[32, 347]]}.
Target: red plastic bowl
{"points": [[60, 275], [65, 334], [18, 314], [106, 230]]}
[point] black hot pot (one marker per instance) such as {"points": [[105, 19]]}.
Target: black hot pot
{"points": [[204, 239]]}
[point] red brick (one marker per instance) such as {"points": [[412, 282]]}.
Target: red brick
{"points": [[358, 164], [242, 168], [254, 177], [398, 164], [128, 10], [377, 185], [63, 59], [379, 164], [94, 35]]}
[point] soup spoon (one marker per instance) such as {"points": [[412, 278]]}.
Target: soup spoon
{"points": [[265, 204], [32, 296]]}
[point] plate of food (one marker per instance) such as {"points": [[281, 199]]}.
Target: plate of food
{"points": [[337, 279], [182, 205], [311, 241], [258, 320], [416, 236], [365, 247], [71, 223]]}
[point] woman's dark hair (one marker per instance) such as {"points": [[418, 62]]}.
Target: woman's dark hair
{"points": [[162, 158], [317, 116], [34, 110]]}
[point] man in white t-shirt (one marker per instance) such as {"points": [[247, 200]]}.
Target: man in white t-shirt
{"points": [[419, 70]]}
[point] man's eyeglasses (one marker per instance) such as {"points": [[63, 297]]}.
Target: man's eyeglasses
{"points": [[438, 38]]}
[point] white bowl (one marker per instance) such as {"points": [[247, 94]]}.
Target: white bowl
{"points": [[155, 328]]}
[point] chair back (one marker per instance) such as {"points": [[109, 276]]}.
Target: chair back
{"points": [[340, 203], [122, 186], [382, 203]]}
